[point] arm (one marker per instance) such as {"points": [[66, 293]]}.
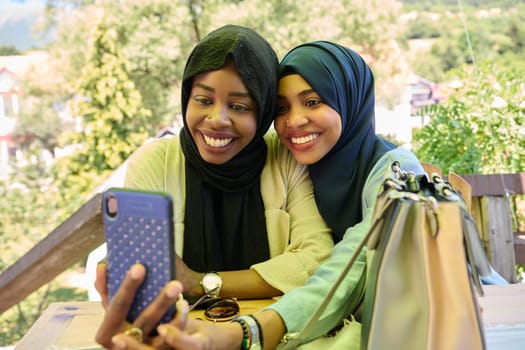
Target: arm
{"points": [[298, 235]]}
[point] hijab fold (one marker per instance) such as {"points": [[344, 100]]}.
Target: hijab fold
{"points": [[225, 226], [345, 82]]}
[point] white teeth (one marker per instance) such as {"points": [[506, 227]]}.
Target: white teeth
{"points": [[304, 139], [216, 142]]}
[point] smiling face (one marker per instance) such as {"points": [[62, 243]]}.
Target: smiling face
{"points": [[306, 125], [221, 115]]}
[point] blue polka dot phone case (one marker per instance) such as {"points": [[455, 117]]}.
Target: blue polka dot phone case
{"points": [[138, 228]]}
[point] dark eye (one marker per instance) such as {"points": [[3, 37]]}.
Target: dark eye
{"points": [[313, 102], [281, 109], [202, 100], [239, 107]]}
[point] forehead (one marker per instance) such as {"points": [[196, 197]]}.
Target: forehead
{"points": [[226, 75], [293, 84]]}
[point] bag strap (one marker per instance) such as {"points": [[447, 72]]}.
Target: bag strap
{"points": [[305, 332]]}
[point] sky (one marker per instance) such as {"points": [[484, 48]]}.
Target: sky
{"points": [[16, 20]]}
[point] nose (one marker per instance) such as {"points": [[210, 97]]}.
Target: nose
{"points": [[296, 118], [219, 114]]}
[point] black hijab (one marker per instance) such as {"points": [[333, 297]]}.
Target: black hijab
{"points": [[345, 82], [224, 223]]}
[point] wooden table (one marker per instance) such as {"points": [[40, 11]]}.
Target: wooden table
{"points": [[72, 325]]}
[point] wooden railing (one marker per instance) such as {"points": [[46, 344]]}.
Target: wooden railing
{"points": [[66, 245], [82, 232], [491, 207]]}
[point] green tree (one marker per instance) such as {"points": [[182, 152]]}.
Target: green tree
{"points": [[8, 50], [114, 122], [480, 128]]}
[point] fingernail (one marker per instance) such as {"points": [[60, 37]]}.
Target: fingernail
{"points": [[162, 330], [136, 271], [119, 343], [171, 290]]}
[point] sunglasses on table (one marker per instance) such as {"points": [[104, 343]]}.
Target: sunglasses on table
{"points": [[217, 309]]}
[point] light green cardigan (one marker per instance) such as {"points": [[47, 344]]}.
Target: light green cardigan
{"points": [[298, 237], [296, 307]]}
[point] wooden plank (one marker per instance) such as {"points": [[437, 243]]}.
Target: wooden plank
{"points": [[67, 244], [65, 325], [503, 305], [497, 222], [496, 184], [463, 187], [519, 247], [431, 169]]}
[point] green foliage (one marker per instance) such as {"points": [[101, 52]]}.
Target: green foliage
{"points": [[493, 36], [30, 208], [8, 50], [114, 123], [155, 37], [421, 28], [520, 272], [480, 128]]}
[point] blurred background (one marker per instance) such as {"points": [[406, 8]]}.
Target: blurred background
{"points": [[83, 83]]}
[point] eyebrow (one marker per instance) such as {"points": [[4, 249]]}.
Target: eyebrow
{"points": [[302, 93], [210, 89]]}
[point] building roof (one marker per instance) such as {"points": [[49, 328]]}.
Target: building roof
{"points": [[21, 64]]}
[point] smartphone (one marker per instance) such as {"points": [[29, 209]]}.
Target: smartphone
{"points": [[138, 228]]}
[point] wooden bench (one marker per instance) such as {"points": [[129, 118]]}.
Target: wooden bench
{"points": [[488, 199]]}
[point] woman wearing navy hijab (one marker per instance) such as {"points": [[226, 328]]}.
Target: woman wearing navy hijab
{"points": [[325, 116]]}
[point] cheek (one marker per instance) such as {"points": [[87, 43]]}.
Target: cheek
{"points": [[279, 125], [190, 115], [248, 127]]}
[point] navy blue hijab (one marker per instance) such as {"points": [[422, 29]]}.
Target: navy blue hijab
{"points": [[345, 82], [224, 221]]}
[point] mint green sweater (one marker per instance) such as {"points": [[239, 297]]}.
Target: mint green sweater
{"points": [[296, 307]]}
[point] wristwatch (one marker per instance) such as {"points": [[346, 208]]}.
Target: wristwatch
{"points": [[209, 282]]}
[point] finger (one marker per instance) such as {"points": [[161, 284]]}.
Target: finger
{"points": [[115, 317], [178, 339], [183, 310], [101, 283], [121, 341], [152, 315]]}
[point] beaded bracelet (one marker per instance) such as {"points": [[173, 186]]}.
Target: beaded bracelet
{"points": [[251, 332]]}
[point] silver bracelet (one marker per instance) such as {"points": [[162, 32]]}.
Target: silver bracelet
{"points": [[251, 331]]}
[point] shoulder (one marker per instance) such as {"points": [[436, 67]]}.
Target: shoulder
{"points": [[272, 141], [157, 147], [382, 171], [277, 152], [405, 157], [157, 154]]}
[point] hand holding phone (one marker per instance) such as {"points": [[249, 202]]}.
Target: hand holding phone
{"points": [[138, 227]]}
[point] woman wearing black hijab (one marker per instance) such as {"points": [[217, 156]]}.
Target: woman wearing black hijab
{"points": [[243, 207], [325, 116]]}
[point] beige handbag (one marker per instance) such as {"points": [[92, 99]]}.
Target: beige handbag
{"points": [[426, 259]]}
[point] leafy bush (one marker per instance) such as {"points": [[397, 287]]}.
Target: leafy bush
{"points": [[480, 128]]}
